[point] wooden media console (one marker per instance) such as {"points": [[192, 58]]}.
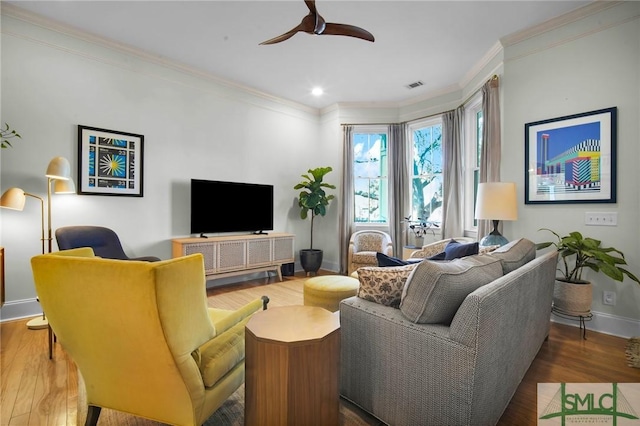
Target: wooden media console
{"points": [[231, 255]]}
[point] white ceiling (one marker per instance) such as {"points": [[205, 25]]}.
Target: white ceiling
{"points": [[436, 42]]}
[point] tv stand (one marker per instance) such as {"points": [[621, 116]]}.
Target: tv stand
{"points": [[231, 255]]}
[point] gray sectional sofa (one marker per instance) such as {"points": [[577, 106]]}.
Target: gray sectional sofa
{"points": [[443, 370]]}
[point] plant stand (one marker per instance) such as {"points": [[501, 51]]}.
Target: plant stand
{"points": [[583, 318]]}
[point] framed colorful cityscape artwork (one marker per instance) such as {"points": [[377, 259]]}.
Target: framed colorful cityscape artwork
{"points": [[109, 162], [571, 159]]}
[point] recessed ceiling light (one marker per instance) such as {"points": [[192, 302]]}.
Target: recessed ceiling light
{"points": [[317, 91]]}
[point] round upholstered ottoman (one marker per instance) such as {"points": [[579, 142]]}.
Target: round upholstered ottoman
{"points": [[326, 291]]}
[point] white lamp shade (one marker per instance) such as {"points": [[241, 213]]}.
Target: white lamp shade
{"points": [[13, 198], [59, 168], [496, 201], [64, 186]]}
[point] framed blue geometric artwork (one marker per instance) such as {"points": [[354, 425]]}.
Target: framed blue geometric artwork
{"points": [[109, 162], [571, 159]]}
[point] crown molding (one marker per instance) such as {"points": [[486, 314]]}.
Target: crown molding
{"points": [[477, 68], [559, 21], [67, 30]]}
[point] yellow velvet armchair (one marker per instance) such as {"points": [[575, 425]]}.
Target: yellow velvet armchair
{"points": [[141, 334]]}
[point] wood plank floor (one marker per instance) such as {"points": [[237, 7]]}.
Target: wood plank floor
{"points": [[38, 391]]}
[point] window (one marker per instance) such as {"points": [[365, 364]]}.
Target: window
{"points": [[370, 176], [427, 168], [473, 150]]}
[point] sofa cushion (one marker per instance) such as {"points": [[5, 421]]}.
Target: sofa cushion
{"points": [[384, 285], [384, 260], [455, 249], [515, 254], [435, 290]]}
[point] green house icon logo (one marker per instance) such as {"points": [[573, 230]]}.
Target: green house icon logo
{"points": [[589, 406]]}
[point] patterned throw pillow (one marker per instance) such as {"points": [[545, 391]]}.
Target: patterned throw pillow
{"points": [[435, 290], [487, 249], [383, 285]]}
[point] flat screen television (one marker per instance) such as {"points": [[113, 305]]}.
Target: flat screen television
{"points": [[218, 206]]}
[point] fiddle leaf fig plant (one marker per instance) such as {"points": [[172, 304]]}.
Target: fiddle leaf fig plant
{"points": [[7, 133], [312, 197], [588, 253]]}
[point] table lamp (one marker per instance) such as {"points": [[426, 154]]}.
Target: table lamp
{"points": [[496, 201]]}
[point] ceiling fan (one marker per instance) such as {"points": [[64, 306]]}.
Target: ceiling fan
{"points": [[313, 23]]}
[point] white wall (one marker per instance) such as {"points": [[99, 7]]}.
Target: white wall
{"points": [[194, 127], [584, 66]]}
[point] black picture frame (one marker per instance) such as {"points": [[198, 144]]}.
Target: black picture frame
{"points": [[110, 162], [571, 159]]}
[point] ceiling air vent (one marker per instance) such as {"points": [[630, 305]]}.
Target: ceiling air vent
{"points": [[414, 85]]}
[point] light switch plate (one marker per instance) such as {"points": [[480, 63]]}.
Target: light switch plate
{"points": [[601, 219]]}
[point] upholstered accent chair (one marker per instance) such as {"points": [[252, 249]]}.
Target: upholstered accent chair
{"points": [[363, 246], [103, 241], [436, 247], [141, 334]]}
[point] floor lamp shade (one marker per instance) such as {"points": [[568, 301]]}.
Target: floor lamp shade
{"points": [[14, 199], [64, 186], [59, 168], [496, 201]]}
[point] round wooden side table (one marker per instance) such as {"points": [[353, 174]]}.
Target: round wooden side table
{"points": [[291, 367]]}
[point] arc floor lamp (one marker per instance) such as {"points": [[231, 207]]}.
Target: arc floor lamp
{"points": [[59, 179]]}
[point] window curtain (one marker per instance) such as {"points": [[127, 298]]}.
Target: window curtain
{"points": [[491, 145], [452, 195], [346, 215], [398, 185]]}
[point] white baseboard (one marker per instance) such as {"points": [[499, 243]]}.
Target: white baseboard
{"points": [[605, 323], [601, 322], [19, 309]]}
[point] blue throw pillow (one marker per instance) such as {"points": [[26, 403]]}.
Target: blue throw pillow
{"points": [[384, 260], [455, 250], [440, 256]]}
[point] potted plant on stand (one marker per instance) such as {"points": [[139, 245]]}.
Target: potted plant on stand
{"points": [[572, 294], [314, 199]]}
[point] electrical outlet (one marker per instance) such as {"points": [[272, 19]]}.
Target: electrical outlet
{"points": [[609, 298], [601, 219]]}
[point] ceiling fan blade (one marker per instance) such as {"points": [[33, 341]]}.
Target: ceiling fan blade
{"points": [[311, 4], [285, 36], [281, 37], [348, 30]]}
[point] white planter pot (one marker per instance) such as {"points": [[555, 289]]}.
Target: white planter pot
{"points": [[572, 299]]}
